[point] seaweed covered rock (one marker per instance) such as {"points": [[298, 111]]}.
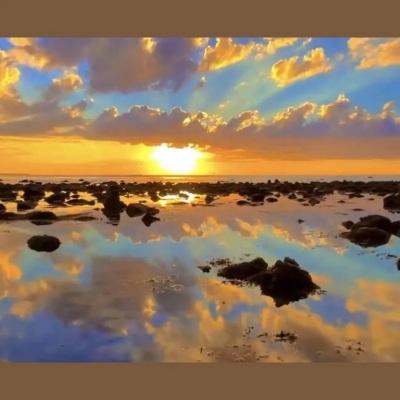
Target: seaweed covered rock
{"points": [[392, 202]]}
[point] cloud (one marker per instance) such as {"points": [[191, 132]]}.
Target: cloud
{"points": [[116, 64], [225, 53], [293, 69], [68, 83], [9, 74], [275, 44], [374, 53]]}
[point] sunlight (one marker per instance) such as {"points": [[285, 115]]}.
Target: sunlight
{"points": [[177, 161]]}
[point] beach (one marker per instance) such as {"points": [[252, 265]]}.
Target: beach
{"points": [[133, 270]]}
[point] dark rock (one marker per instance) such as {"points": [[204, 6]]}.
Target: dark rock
{"points": [[398, 264], [257, 198], [26, 205], [395, 228], [2, 208], [81, 202], [148, 219], [206, 269], [348, 224], [367, 236], [242, 202], [300, 221], [44, 243], [244, 270], [56, 198], [209, 199], [292, 196], [392, 202], [85, 218], [285, 281], [41, 216], [139, 209], [271, 200], [75, 196], [374, 221], [8, 216]]}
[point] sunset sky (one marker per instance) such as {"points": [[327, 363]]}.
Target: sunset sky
{"points": [[85, 106]]}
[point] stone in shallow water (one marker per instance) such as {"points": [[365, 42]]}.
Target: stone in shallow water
{"points": [[44, 243]]}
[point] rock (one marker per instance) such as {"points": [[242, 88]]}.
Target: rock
{"points": [[8, 195], [398, 263], [292, 196], [300, 221], [75, 196], [148, 219], [41, 216], [2, 208], [8, 216], [81, 202], [44, 243], [285, 281], [244, 270], [395, 228], [392, 202], [33, 193], [206, 269], [290, 261], [138, 209], [209, 199], [26, 205], [271, 200], [258, 198], [367, 236], [374, 221], [242, 202], [348, 224], [56, 198]]}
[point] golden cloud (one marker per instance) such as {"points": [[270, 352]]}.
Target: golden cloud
{"points": [[293, 69], [373, 53], [225, 53], [9, 75]]}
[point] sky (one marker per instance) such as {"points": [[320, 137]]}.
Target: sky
{"points": [[222, 106]]}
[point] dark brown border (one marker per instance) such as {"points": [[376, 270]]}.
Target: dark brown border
{"points": [[199, 18], [205, 18]]}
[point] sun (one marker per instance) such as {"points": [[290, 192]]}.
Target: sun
{"points": [[176, 160]]}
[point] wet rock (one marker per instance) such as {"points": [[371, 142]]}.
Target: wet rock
{"points": [[2, 208], [44, 243], [258, 198], [8, 216], [26, 205], [395, 228], [398, 263], [41, 216], [139, 209], [292, 196], [244, 270], [7, 195], [57, 198], [209, 199], [81, 202], [149, 219], [348, 224], [271, 200], [242, 202], [206, 269], [300, 221], [285, 281], [374, 221], [85, 218], [367, 236], [392, 202]]}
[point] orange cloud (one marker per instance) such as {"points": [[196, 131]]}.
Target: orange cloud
{"points": [[373, 53], [9, 75], [225, 53], [275, 44], [293, 69]]}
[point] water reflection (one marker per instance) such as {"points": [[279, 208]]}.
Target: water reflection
{"points": [[133, 293]]}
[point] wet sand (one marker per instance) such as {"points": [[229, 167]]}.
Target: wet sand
{"points": [[124, 284]]}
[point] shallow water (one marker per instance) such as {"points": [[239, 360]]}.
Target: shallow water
{"points": [[133, 293]]}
